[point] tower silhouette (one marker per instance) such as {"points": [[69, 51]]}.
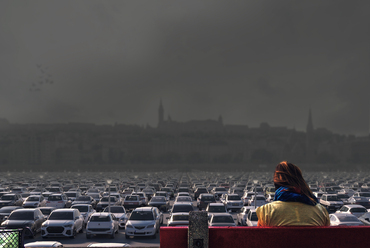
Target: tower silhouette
{"points": [[160, 113]]}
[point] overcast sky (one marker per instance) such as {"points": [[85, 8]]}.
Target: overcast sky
{"points": [[249, 61]]}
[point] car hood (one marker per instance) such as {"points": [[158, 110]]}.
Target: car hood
{"points": [[141, 222], [58, 222], [18, 223]]}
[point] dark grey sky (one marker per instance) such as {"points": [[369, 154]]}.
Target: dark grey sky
{"points": [[250, 61]]}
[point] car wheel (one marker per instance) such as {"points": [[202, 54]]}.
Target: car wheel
{"points": [[127, 237], [82, 229]]}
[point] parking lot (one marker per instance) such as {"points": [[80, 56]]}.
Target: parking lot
{"points": [[230, 197]]}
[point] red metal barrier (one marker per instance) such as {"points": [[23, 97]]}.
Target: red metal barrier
{"points": [[251, 237]]}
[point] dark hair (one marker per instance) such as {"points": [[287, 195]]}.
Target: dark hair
{"points": [[290, 176]]}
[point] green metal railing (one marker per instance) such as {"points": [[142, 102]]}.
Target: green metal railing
{"points": [[11, 238]]}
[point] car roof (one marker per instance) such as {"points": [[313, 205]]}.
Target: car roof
{"points": [[101, 213], [216, 204], [64, 210], [222, 214], [354, 206], [182, 203], [143, 209]]}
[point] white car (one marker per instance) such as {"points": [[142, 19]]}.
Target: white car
{"points": [[252, 218], [58, 201], [34, 201], [102, 224], [243, 214], [221, 219], [178, 219], [344, 219], [63, 223], [86, 210], [144, 221], [355, 209], [120, 213], [257, 201], [44, 244], [233, 202]]}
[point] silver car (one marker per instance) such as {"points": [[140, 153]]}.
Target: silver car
{"points": [[144, 221]]}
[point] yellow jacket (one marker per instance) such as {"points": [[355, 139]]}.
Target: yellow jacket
{"points": [[280, 213]]}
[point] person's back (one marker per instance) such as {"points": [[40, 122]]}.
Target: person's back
{"points": [[279, 213], [294, 203]]}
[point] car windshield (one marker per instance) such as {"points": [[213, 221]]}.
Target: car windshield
{"points": [[180, 217], [343, 196], [22, 215], [7, 197], [223, 219], [260, 198], [99, 218], [233, 198], [132, 198], [105, 199], [61, 216], [157, 199], [183, 199], [182, 208], [54, 198], [83, 198], [141, 215], [34, 198], [71, 194], [220, 189], [82, 209], [217, 209], [347, 218], [114, 210], [358, 210], [332, 198]]}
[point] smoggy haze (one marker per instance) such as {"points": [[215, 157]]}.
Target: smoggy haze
{"points": [[249, 61]]}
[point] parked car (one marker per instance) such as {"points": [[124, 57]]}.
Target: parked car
{"points": [[160, 202], [43, 244], [120, 213], [63, 223], [221, 219], [86, 210], [30, 219], [331, 202], [102, 224], [178, 219], [85, 199], [11, 200], [5, 212], [144, 221], [243, 214], [200, 190], [58, 201], [105, 202], [359, 200], [356, 210], [252, 218], [34, 201], [233, 202], [204, 200], [257, 200], [131, 201], [344, 219], [365, 219]]}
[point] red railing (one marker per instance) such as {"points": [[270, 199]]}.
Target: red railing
{"points": [[271, 237]]}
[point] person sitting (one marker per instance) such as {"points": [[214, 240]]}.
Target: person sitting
{"points": [[294, 203]]}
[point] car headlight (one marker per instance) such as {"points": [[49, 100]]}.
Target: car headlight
{"points": [[151, 226], [68, 225], [129, 226]]}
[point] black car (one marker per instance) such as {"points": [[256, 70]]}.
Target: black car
{"points": [[30, 219], [5, 212], [159, 202]]}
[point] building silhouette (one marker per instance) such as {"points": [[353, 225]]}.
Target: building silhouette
{"points": [[195, 144]]}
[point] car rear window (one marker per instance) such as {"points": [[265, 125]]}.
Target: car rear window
{"points": [[182, 208], [180, 217], [100, 218], [223, 219], [54, 198]]}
